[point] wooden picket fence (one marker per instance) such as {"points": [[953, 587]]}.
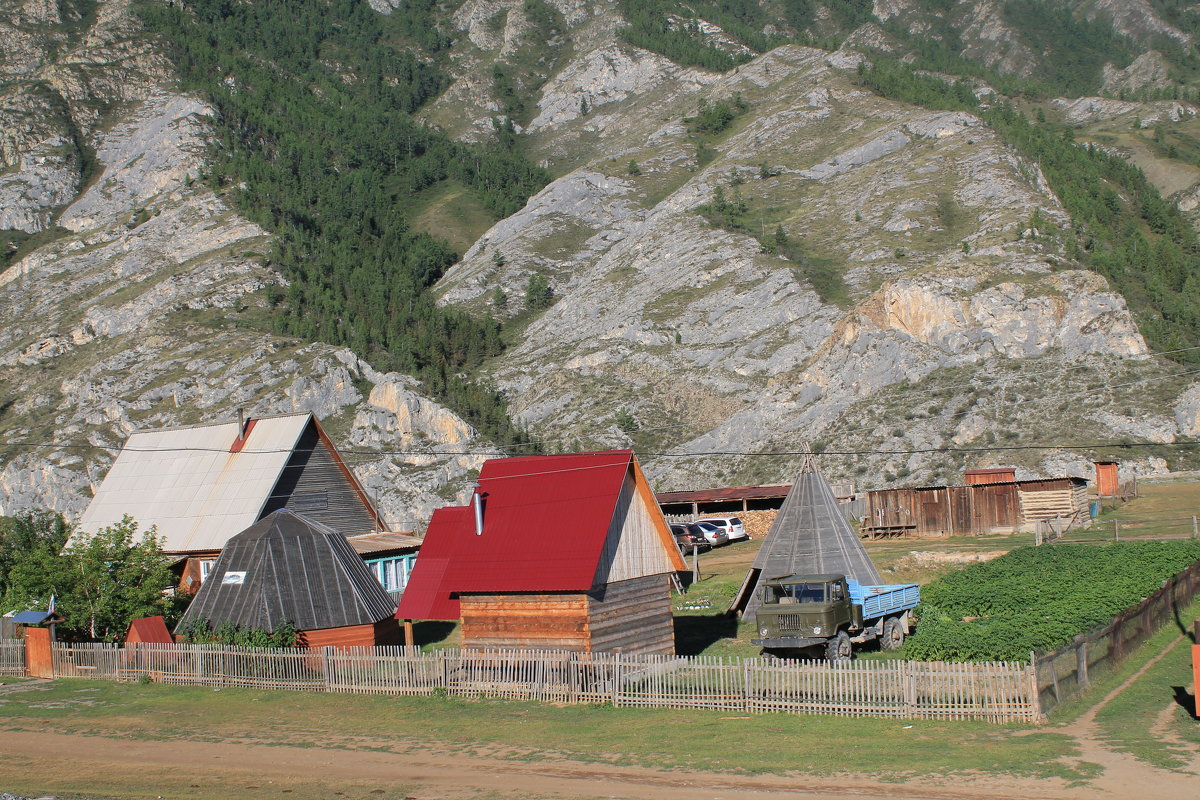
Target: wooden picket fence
{"points": [[996, 692], [12, 656]]}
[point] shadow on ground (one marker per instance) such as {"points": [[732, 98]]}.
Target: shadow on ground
{"points": [[695, 633]]}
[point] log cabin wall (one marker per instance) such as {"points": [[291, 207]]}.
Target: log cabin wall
{"points": [[1052, 499], [632, 616], [553, 621], [384, 632]]}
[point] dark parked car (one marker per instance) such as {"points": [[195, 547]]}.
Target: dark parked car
{"points": [[687, 536]]}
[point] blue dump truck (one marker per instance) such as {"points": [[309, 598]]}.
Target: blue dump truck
{"points": [[803, 612]]}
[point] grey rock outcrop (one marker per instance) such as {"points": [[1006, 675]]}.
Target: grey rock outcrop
{"points": [[941, 271]]}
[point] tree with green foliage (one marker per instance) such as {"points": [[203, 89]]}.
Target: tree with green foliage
{"points": [[198, 631], [314, 139], [101, 582], [538, 294]]}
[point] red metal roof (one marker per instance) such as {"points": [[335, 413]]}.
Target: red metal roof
{"points": [[545, 521], [733, 493], [149, 630]]}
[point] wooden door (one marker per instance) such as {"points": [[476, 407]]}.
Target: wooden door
{"points": [[39, 663]]}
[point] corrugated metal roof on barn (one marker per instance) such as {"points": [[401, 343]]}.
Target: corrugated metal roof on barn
{"points": [[728, 493], [186, 481], [546, 521], [810, 535], [287, 567]]}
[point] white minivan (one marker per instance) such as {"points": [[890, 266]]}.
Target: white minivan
{"points": [[732, 526]]}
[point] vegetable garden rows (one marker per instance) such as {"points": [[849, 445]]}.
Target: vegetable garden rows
{"points": [[1039, 598]]}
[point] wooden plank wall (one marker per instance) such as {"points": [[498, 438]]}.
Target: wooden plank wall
{"points": [[532, 621], [384, 632], [632, 616], [632, 548]]}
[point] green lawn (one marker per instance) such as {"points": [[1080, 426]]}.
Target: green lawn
{"points": [[769, 743]]}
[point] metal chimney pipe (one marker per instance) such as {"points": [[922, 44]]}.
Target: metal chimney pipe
{"points": [[477, 502]]}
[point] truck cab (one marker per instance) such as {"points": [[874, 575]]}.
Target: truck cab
{"points": [[803, 610]]}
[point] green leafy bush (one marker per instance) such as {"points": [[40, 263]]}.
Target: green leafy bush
{"points": [[1039, 598]]}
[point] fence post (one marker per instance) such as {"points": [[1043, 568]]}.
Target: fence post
{"points": [[327, 666], [910, 690], [616, 678], [746, 683], [1195, 528], [1116, 530], [1081, 664], [1035, 694]]}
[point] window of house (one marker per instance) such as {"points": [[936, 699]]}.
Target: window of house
{"points": [[206, 565], [392, 573]]}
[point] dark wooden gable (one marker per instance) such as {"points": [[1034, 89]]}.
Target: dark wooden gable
{"points": [[316, 483]]}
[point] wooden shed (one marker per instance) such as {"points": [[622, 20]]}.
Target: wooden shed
{"points": [[148, 630], [564, 552], [1108, 481], [287, 567], [974, 509]]}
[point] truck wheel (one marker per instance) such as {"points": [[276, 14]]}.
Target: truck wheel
{"points": [[838, 648], [893, 635]]}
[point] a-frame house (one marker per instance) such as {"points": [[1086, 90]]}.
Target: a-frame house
{"points": [[563, 552], [200, 485], [810, 535]]}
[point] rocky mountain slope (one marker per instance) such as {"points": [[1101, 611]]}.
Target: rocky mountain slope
{"points": [[681, 336], [137, 313], [829, 267]]}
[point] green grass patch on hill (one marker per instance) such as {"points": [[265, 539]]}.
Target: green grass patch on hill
{"points": [[452, 212]]}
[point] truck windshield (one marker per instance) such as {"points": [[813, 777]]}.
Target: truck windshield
{"points": [[795, 593]]}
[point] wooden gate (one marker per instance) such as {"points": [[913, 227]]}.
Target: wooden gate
{"points": [[39, 662]]}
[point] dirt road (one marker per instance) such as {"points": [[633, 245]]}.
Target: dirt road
{"points": [[230, 769]]}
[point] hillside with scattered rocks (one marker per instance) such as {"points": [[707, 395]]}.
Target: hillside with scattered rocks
{"points": [[825, 268]]}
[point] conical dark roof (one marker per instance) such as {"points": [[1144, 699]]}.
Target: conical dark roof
{"points": [[810, 535], [288, 567]]}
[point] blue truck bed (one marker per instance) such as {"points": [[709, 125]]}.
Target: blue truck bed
{"points": [[885, 600]]}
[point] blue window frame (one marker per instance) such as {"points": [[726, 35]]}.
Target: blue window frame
{"points": [[392, 572]]}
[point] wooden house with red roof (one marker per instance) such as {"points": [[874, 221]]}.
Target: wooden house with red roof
{"points": [[563, 552]]}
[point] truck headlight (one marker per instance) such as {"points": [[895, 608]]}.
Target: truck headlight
{"points": [[816, 629], [764, 630]]}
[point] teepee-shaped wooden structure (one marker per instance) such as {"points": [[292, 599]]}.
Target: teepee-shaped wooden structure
{"points": [[810, 535]]}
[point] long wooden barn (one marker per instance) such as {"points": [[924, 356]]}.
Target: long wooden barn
{"points": [[564, 552], [974, 509]]}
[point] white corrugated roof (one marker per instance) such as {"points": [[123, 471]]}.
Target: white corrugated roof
{"points": [[186, 481]]}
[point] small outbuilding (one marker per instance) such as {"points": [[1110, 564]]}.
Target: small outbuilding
{"points": [[563, 552], [148, 630], [286, 567]]}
